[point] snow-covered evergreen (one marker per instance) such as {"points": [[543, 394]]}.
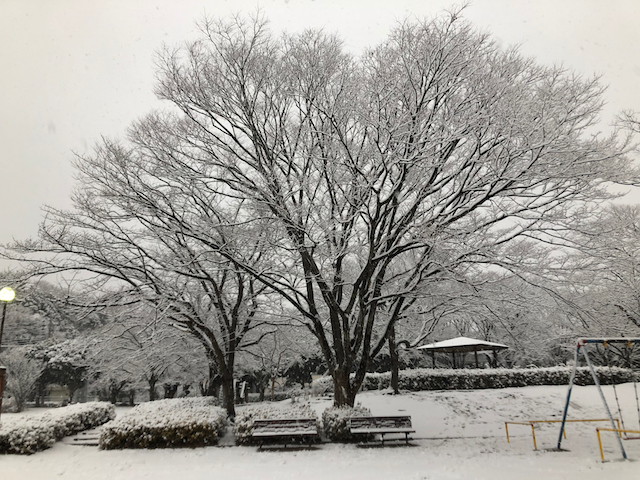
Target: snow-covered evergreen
{"points": [[26, 435]]}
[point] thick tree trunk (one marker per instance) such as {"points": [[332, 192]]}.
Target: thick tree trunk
{"points": [[212, 386], [228, 396], [153, 394], [395, 361], [343, 392]]}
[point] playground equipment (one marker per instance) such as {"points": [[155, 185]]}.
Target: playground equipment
{"points": [[532, 424], [581, 346], [619, 431]]}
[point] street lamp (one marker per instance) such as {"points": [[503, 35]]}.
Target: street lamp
{"points": [[6, 296]]}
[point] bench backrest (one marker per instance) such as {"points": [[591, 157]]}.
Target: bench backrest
{"points": [[299, 425], [380, 422]]}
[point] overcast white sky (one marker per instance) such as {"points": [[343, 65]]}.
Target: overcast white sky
{"points": [[73, 70]]}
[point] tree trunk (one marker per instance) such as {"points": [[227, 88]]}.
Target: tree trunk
{"points": [[153, 395], [214, 381], [114, 391], [395, 361], [343, 392], [170, 389], [228, 396], [72, 392]]}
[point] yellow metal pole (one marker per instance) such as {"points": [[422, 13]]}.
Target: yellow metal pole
{"points": [[506, 427], [600, 444], [533, 432]]}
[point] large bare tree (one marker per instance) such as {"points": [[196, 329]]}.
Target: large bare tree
{"points": [[358, 178]]}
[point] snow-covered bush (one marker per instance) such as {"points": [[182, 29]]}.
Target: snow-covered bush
{"points": [[335, 422], [175, 422], [322, 385], [466, 379], [28, 435], [243, 427], [22, 375], [78, 417]]}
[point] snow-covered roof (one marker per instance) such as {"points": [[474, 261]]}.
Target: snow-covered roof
{"points": [[462, 344]]}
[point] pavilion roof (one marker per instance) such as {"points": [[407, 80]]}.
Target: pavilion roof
{"points": [[462, 344]]}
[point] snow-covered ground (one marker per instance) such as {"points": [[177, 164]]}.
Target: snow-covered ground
{"points": [[459, 435]]}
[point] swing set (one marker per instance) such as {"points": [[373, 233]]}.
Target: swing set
{"points": [[622, 432]]}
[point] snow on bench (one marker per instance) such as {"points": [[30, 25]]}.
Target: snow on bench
{"points": [[381, 426], [286, 430]]}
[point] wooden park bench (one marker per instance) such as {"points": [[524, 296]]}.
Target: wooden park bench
{"points": [[286, 431], [381, 426]]}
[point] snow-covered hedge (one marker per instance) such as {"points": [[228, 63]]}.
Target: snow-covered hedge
{"points": [[322, 386], [335, 422], [26, 435], [177, 422], [245, 417], [465, 379]]}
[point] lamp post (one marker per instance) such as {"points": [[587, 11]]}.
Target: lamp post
{"points": [[6, 296]]}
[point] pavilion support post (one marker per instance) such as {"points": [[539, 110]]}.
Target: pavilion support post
{"points": [[475, 352]]}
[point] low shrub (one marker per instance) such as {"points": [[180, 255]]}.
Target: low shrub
{"points": [[27, 435], [335, 422], [322, 386], [471, 379], [176, 422], [245, 417], [467, 379]]}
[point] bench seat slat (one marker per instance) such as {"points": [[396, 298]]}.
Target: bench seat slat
{"points": [[382, 430], [284, 433]]}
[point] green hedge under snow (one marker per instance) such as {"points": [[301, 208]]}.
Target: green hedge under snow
{"points": [[335, 422], [467, 379], [179, 422], [27, 435], [471, 379]]}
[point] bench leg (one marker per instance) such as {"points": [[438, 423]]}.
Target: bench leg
{"points": [[406, 438]]}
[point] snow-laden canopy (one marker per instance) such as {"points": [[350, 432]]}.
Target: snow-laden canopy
{"points": [[461, 345]]}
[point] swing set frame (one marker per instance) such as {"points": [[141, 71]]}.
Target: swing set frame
{"points": [[581, 345]]}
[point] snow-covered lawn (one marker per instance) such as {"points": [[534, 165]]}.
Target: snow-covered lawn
{"points": [[459, 435]]}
